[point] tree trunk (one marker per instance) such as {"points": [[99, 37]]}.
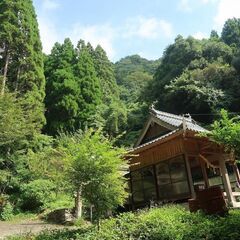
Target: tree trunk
{"points": [[91, 213], [17, 80], [5, 72], [78, 203]]}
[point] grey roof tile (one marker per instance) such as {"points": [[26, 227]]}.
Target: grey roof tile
{"points": [[177, 120]]}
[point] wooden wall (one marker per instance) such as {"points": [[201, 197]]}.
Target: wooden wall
{"points": [[161, 152]]}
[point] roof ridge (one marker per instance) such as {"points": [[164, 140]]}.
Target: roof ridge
{"points": [[179, 117]]}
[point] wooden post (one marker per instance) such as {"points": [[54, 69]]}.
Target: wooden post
{"points": [[236, 171], [189, 173], [156, 181], [131, 192], [204, 172], [226, 182]]}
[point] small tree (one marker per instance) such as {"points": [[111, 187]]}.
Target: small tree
{"points": [[226, 131], [96, 171]]}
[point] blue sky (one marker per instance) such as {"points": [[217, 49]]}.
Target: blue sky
{"points": [[125, 27]]}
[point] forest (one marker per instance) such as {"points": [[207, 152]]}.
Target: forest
{"points": [[68, 118]]}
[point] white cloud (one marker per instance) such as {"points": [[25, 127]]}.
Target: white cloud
{"points": [[200, 35], [226, 9], [205, 1], [50, 4], [208, 1], [148, 28], [95, 34], [184, 5]]}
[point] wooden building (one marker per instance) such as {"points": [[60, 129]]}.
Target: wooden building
{"points": [[170, 160]]}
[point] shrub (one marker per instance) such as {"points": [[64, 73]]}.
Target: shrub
{"points": [[165, 223], [37, 194], [6, 212]]}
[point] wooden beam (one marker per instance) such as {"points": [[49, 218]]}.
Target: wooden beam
{"points": [[207, 162]]}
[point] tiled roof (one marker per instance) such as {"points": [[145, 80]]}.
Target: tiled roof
{"points": [[179, 123], [177, 120]]}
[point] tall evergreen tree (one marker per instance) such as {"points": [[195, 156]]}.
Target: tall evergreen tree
{"points": [[105, 73], [21, 55], [62, 90], [112, 111], [89, 84]]}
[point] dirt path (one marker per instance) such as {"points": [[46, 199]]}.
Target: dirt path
{"points": [[26, 226]]}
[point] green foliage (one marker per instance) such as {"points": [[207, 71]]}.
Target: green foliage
{"points": [[22, 61], [226, 131], [73, 88], [231, 32], [6, 213], [200, 90], [197, 76], [62, 89], [96, 167], [116, 118], [17, 131], [105, 73], [15, 123], [59, 201], [90, 87], [37, 194], [133, 74], [165, 223]]}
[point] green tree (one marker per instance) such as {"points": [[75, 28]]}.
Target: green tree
{"points": [[86, 164], [133, 74], [197, 91], [226, 132], [90, 96], [105, 73], [96, 171], [214, 35], [112, 110], [231, 32], [62, 89], [21, 53], [16, 134], [195, 76]]}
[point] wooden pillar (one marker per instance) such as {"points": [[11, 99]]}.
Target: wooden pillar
{"points": [[236, 171], [204, 172], [226, 182], [131, 192], [156, 181], [190, 180]]}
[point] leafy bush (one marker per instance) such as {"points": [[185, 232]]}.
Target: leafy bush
{"points": [[60, 201], [37, 194], [6, 212]]}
